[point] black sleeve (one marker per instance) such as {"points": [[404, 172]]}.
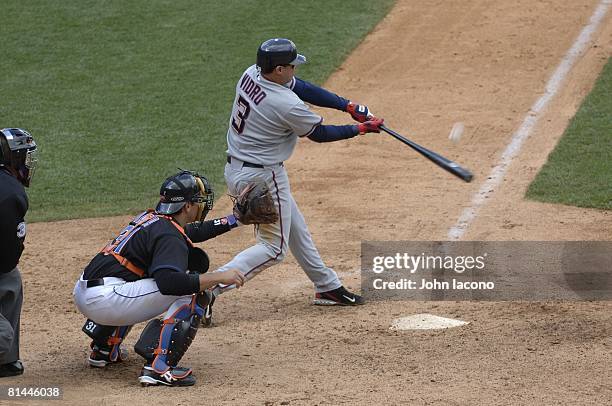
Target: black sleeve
{"points": [[176, 283], [318, 96], [329, 133], [205, 230], [12, 232]]}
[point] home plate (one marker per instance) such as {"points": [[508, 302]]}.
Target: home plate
{"points": [[425, 322]]}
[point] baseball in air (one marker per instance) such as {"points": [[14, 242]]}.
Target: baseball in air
{"points": [[456, 132]]}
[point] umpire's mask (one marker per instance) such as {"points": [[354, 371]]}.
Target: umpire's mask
{"points": [[18, 152]]}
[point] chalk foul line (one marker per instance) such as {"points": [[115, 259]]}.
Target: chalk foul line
{"points": [[522, 133]]}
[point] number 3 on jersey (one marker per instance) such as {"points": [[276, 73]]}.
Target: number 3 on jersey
{"points": [[242, 112]]}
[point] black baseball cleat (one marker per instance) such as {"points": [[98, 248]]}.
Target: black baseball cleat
{"points": [[207, 318], [176, 376], [338, 297], [11, 369], [99, 357]]}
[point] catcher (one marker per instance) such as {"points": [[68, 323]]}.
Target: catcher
{"points": [[150, 268]]}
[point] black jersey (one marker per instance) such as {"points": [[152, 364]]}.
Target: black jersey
{"points": [[13, 208], [157, 244]]}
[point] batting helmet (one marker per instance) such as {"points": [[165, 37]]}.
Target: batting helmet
{"points": [[18, 153], [185, 186], [278, 51]]}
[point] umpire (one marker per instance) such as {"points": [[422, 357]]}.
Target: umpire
{"points": [[17, 163]]}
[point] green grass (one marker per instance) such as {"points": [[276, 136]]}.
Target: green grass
{"points": [[118, 94], [579, 170]]}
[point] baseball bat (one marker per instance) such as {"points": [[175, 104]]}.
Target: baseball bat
{"points": [[437, 159]]}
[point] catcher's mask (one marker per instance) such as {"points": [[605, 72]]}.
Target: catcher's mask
{"points": [[18, 153], [185, 186]]}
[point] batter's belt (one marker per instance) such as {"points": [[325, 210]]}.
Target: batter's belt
{"points": [[249, 164]]}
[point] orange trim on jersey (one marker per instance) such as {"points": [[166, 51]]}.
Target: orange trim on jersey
{"points": [[127, 264], [143, 218], [178, 227]]}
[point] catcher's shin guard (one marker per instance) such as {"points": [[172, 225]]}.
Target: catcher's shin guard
{"points": [[164, 342], [149, 340], [106, 344]]}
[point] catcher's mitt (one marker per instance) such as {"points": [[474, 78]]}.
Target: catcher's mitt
{"points": [[254, 205], [198, 261]]}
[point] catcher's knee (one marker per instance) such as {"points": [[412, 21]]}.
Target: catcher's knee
{"points": [[164, 342]]}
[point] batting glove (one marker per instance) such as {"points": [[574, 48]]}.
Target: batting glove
{"points": [[370, 126], [359, 112]]}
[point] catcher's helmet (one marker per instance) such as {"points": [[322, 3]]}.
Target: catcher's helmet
{"points": [[185, 186], [18, 152], [278, 51]]}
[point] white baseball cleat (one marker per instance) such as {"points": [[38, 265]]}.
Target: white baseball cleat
{"points": [[176, 376]]}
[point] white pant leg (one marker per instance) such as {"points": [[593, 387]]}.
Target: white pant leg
{"points": [[121, 303], [306, 254], [272, 239], [177, 304]]}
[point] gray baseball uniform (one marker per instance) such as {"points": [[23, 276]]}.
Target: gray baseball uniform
{"points": [[11, 299], [267, 119]]}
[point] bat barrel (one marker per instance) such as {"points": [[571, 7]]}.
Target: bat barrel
{"points": [[438, 159]]}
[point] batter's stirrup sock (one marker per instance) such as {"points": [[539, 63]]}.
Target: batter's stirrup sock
{"points": [[338, 297]]}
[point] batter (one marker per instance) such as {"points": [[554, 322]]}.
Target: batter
{"points": [[268, 116]]}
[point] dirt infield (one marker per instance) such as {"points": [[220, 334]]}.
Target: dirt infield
{"points": [[427, 65]]}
